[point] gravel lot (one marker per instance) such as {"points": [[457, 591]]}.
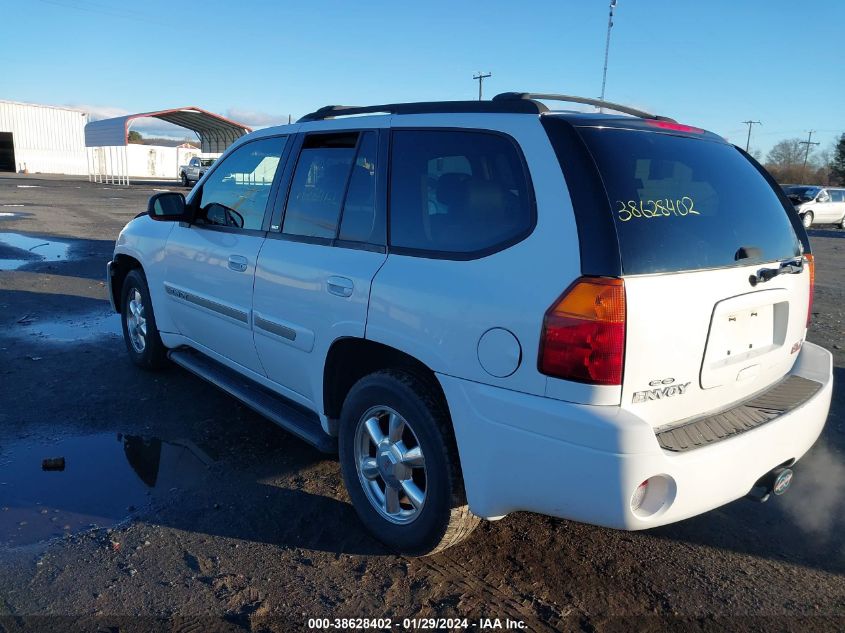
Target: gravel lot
{"points": [[179, 505]]}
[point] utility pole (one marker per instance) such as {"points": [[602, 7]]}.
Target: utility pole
{"points": [[480, 76], [749, 124], [808, 143], [607, 50]]}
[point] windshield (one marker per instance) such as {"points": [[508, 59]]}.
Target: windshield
{"points": [[682, 203], [801, 194]]}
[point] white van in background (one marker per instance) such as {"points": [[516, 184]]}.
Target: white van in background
{"points": [[818, 205]]}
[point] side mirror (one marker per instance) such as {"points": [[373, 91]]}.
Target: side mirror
{"points": [[168, 206]]}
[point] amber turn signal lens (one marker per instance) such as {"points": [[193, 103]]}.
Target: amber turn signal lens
{"points": [[583, 335]]}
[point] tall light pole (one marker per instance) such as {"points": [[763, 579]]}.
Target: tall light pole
{"points": [[607, 50], [748, 140], [480, 76]]}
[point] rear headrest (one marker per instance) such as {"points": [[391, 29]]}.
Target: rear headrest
{"points": [[485, 199], [450, 188]]}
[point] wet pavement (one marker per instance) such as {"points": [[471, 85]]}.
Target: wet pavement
{"points": [[59, 487], [68, 329], [17, 250], [218, 513]]}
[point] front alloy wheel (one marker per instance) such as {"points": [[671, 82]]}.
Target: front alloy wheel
{"points": [[140, 332], [390, 464], [136, 323]]}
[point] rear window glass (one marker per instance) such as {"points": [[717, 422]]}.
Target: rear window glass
{"points": [[458, 193], [682, 203]]}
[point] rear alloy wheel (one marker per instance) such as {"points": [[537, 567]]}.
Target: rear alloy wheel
{"points": [[400, 464], [807, 219], [184, 178], [390, 465], [140, 332]]}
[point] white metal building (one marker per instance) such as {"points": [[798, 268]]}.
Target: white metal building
{"points": [[41, 138]]}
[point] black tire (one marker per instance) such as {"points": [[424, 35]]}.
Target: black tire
{"points": [[807, 219], [184, 177], [152, 354], [444, 518]]}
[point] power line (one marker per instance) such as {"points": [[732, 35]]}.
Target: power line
{"points": [[749, 124], [808, 143], [481, 77]]}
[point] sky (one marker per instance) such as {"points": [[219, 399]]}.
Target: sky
{"points": [[711, 64]]}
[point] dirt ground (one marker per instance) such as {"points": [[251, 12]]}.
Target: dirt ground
{"points": [[180, 509]]}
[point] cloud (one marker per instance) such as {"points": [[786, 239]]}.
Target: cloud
{"points": [[255, 118]]}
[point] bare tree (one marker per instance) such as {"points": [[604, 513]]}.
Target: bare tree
{"points": [[785, 162]]}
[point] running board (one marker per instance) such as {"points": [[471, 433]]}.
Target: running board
{"points": [[302, 423]]}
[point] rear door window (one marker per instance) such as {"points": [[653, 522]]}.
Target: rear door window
{"points": [[457, 193], [682, 203]]}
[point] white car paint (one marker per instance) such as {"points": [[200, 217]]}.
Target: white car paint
{"points": [[526, 441]]}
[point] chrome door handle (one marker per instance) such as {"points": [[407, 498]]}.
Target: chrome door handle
{"points": [[237, 263], [340, 286]]}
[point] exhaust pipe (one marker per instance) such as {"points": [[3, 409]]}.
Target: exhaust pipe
{"points": [[776, 482]]}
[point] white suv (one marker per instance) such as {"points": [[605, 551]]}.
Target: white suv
{"points": [[488, 307]]}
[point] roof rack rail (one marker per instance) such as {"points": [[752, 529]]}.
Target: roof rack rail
{"points": [[514, 106], [530, 96]]}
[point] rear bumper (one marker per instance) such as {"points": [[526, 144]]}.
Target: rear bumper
{"points": [[581, 462]]}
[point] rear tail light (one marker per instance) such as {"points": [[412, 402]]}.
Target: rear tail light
{"points": [[811, 266], [583, 335]]}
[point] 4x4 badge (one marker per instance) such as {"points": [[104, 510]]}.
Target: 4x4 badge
{"points": [[658, 394]]}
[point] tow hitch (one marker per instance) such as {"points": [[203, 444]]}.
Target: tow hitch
{"points": [[775, 482]]}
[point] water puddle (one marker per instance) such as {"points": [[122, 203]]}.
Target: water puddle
{"points": [[18, 250], [68, 330], [53, 488]]}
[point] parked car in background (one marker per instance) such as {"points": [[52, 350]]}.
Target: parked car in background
{"points": [[489, 307], [194, 170], [818, 205]]}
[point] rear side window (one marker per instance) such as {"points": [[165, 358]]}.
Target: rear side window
{"points": [[681, 203], [457, 193]]}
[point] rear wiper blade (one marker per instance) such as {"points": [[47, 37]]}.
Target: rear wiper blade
{"points": [[793, 267]]}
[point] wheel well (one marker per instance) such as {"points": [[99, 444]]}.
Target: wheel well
{"points": [[122, 265], [350, 359]]}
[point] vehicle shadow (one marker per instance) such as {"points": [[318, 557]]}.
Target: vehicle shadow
{"points": [[831, 232]]}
